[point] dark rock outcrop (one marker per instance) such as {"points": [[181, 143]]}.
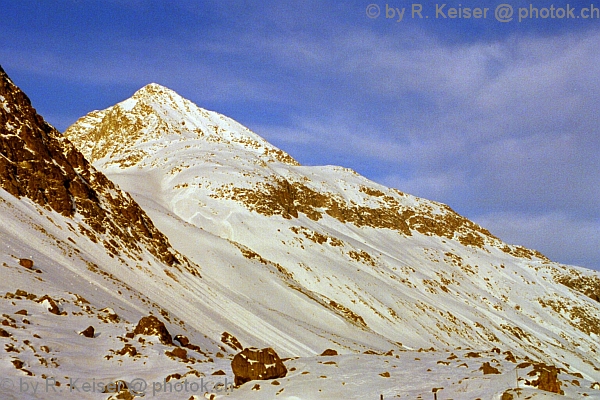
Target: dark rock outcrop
{"points": [[488, 369], [152, 326], [89, 332], [547, 378], [231, 341], [52, 305], [182, 340], [39, 163], [178, 352], [25, 263], [256, 364], [127, 350], [329, 352]]}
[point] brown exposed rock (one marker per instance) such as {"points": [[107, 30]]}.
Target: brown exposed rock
{"points": [[256, 364], [183, 340], [171, 377], [18, 364], [52, 305], [4, 333], [547, 378], [39, 163], [120, 389], [178, 352], [507, 396], [510, 356], [123, 395], [219, 372], [88, 332], [587, 285], [128, 350], [231, 341], [488, 369], [25, 263], [289, 199], [152, 326], [21, 312], [329, 352], [108, 315]]}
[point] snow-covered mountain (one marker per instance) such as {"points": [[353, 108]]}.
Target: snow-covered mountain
{"points": [[347, 263], [239, 245]]}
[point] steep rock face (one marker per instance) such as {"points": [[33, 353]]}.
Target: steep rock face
{"points": [[37, 162], [546, 378]]}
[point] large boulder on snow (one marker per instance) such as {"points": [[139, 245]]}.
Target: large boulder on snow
{"points": [[152, 326], [257, 364]]}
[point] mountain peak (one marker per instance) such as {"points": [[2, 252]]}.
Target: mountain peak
{"points": [[158, 116], [155, 91]]}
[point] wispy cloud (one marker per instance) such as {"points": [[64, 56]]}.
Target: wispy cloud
{"points": [[502, 125]]}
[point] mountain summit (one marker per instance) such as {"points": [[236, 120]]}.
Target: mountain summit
{"points": [[125, 133], [210, 158]]}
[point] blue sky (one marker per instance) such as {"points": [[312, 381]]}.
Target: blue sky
{"points": [[498, 120]]}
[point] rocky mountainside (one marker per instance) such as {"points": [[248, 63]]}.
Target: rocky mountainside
{"points": [[234, 244], [377, 268], [40, 164]]}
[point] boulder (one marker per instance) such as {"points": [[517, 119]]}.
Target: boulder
{"points": [[257, 364], [178, 352], [547, 378], [152, 326], [487, 369], [89, 332], [183, 340], [50, 304]]}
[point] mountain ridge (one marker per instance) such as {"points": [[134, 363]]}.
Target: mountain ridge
{"points": [[39, 163], [278, 196]]}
